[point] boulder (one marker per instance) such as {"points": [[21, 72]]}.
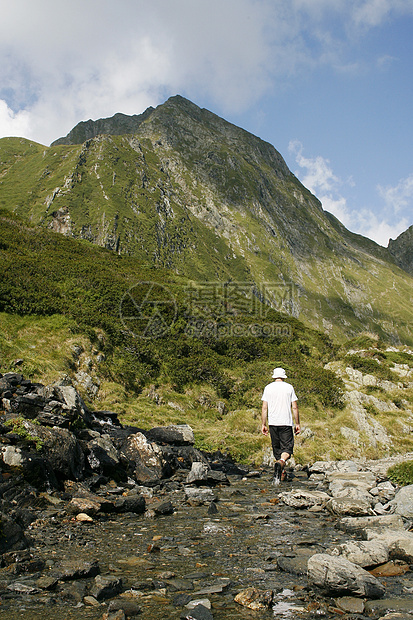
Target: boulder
{"points": [[403, 502], [144, 458], [175, 435], [336, 575], [354, 525], [363, 553], [341, 506], [398, 542], [301, 498], [255, 599]]}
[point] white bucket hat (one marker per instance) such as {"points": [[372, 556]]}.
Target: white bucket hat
{"points": [[279, 373]]}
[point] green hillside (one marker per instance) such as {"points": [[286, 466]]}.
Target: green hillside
{"points": [[187, 191], [61, 307]]}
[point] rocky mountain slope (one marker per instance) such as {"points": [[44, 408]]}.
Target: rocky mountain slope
{"points": [[181, 188], [402, 250]]}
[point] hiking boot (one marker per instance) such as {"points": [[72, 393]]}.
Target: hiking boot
{"points": [[277, 474]]}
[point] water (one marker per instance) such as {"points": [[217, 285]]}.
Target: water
{"points": [[188, 552]]}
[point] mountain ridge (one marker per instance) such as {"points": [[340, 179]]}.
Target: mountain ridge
{"points": [[191, 192]]}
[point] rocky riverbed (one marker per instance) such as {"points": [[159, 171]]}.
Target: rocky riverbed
{"points": [[127, 523]]}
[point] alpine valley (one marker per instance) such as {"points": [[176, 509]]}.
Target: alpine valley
{"points": [[180, 197]]}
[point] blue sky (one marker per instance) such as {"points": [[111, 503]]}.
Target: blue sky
{"points": [[328, 82]]}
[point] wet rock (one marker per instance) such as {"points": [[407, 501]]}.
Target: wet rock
{"points": [[12, 535], [395, 605], [363, 553], [197, 613], [350, 604], [301, 498], [197, 497], [103, 458], [129, 607], [76, 569], [390, 569], [296, 565], [329, 467], [339, 576], [164, 508], [255, 599], [106, 586]]}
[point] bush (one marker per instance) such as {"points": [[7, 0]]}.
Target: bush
{"points": [[401, 474]]}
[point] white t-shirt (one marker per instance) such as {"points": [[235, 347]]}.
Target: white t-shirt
{"points": [[279, 395]]}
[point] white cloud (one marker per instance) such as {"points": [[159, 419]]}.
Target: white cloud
{"points": [[320, 179], [12, 124], [63, 62], [399, 196]]}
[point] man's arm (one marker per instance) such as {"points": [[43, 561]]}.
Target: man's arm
{"points": [[296, 415], [264, 414]]}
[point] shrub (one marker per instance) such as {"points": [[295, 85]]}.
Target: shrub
{"points": [[401, 474]]}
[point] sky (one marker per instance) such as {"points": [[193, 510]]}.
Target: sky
{"points": [[329, 83]]}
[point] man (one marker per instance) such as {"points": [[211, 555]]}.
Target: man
{"points": [[279, 405]]}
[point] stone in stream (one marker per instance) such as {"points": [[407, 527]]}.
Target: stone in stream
{"points": [[255, 599], [354, 525], [398, 542], [340, 506], [363, 553], [199, 612], [301, 498], [106, 586], [339, 576]]}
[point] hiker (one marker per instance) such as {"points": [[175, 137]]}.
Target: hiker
{"points": [[279, 405]]}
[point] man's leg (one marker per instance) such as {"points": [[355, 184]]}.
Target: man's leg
{"points": [[277, 452], [286, 440]]}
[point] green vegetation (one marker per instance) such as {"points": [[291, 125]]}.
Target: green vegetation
{"points": [[17, 427], [401, 474], [59, 295]]}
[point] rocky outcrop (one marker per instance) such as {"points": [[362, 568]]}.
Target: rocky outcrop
{"points": [[402, 250]]}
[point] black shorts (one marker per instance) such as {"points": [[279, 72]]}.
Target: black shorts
{"points": [[282, 440]]}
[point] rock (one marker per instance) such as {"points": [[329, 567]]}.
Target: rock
{"points": [[357, 524], [347, 506], [128, 606], [390, 569], [176, 435], [197, 613], [403, 502], [363, 553], [336, 575], [85, 505], [301, 498], [398, 542], [130, 503], [325, 467], [12, 535], [84, 518], [350, 604], [198, 473], [106, 586], [103, 458], [76, 569], [255, 599], [197, 497], [395, 605], [145, 459], [203, 601], [61, 448], [384, 491], [164, 508]]}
